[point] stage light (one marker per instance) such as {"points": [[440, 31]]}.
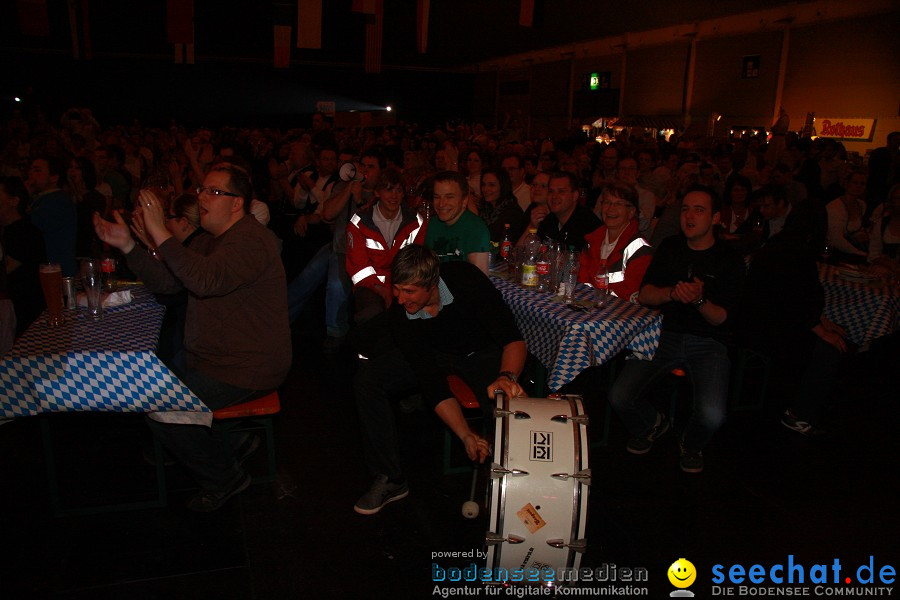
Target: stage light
{"points": [[387, 108]]}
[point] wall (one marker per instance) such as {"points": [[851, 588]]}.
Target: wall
{"points": [[654, 80], [846, 69], [719, 87]]}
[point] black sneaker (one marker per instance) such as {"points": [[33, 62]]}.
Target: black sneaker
{"points": [[642, 444], [691, 461], [210, 501], [382, 492], [792, 422]]}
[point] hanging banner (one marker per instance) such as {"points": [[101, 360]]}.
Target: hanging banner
{"points": [[180, 21], [422, 9], [309, 24], [526, 13], [282, 46]]}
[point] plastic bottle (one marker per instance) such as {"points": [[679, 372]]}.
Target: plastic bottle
{"points": [[571, 275], [529, 264], [506, 244], [543, 266], [601, 284]]}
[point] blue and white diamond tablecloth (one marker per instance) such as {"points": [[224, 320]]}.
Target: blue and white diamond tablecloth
{"points": [[108, 365], [865, 310], [567, 341]]}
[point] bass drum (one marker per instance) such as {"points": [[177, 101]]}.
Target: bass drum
{"points": [[538, 491]]}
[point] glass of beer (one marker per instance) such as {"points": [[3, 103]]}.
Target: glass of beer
{"points": [[51, 284]]}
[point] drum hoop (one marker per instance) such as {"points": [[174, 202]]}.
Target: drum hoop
{"points": [[504, 462], [576, 492]]}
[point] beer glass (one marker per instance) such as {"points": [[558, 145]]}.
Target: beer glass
{"points": [[51, 284], [92, 282]]}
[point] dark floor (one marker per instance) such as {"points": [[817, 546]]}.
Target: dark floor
{"points": [[765, 494]]}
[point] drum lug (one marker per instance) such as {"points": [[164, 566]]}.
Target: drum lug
{"points": [[583, 476], [498, 471], [580, 419], [492, 539], [516, 414], [577, 545]]}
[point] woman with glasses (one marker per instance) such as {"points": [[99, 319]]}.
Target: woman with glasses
{"points": [[616, 247]]}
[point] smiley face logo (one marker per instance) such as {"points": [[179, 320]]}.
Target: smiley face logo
{"points": [[682, 573]]}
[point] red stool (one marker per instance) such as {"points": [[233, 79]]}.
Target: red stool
{"points": [[249, 416], [467, 400]]}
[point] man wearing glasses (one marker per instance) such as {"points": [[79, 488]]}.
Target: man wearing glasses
{"points": [[237, 339]]}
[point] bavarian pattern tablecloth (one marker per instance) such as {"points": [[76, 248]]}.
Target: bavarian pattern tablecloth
{"points": [[567, 341], [866, 310], [83, 365]]}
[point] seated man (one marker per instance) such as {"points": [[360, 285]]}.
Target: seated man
{"points": [[695, 280], [564, 220], [617, 246], [236, 338], [457, 234], [448, 319], [374, 236]]}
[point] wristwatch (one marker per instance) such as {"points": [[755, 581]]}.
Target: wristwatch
{"points": [[699, 301], [509, 375]]}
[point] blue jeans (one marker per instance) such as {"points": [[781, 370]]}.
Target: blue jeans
{"points": [[706, 363], [328, 267], [203, 451]]}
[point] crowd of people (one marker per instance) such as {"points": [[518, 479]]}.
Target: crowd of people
{"points": [[236, 229]]}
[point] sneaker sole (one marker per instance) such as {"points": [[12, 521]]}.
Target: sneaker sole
{"points": [[372, 511]]}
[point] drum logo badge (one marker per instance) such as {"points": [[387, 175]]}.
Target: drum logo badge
{"points": [[541, 446]]}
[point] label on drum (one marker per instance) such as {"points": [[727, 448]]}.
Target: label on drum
{"points": [[531, 518], [541, 446]]}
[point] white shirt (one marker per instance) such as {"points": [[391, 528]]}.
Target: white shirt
{"points": [[387, 227]]}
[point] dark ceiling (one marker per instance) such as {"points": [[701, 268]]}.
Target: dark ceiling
{"points": [[461, 32]]}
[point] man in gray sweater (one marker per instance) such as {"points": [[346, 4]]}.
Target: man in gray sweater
{"points": [[237, 337]]}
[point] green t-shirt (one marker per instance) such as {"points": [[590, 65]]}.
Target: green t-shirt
{"points": [[455, 242]]}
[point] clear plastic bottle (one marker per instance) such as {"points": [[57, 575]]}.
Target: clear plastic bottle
{"points": [[543, 265], [529, 264], [601, 284], [571, 275]]}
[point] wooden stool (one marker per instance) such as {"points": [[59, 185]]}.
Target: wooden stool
{"points": [[249, 416]]}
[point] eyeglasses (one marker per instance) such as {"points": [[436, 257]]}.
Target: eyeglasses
{"points": [[215, 192], [609, 204]]}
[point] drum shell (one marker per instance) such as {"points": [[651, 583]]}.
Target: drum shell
{"points": [[538, 506]]}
